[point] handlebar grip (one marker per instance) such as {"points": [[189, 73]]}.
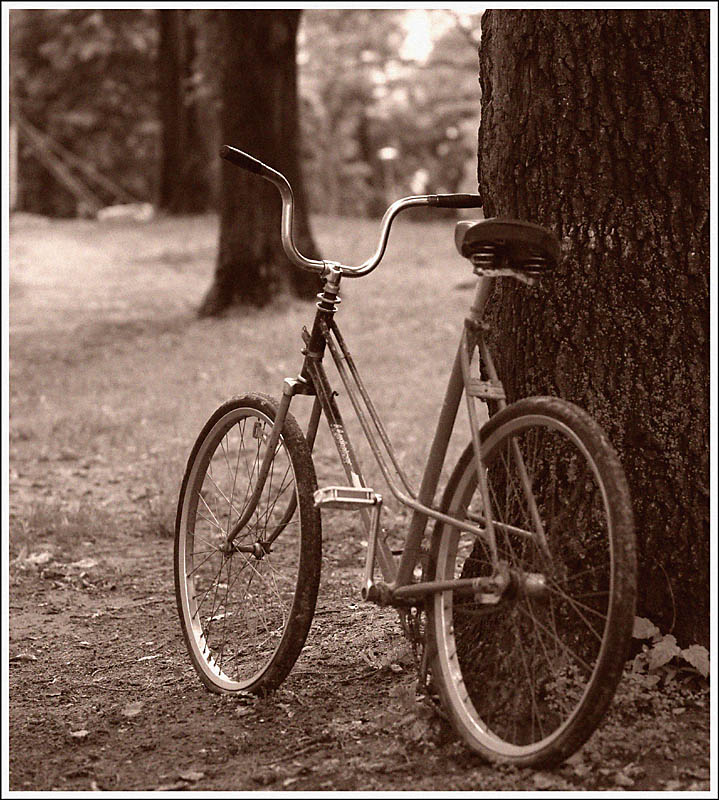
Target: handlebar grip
{"points": [[240, 159], [455, 200]]}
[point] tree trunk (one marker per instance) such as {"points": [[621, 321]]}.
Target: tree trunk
{"points": [[184, 186], [260, 116], [595, 124]]}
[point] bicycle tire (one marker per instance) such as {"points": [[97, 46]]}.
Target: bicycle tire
{"points": [[245, 618], [528, 683]]}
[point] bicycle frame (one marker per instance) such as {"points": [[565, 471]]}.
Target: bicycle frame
{"points": [[398, 588]]}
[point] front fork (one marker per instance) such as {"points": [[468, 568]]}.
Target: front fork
{"points": [[288, 390], [302, 384]]}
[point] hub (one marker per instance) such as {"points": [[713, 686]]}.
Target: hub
{"points": [[259, 549]]}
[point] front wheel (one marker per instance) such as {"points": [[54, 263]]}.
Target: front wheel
{"points": [[528, 680], [245, 612]]}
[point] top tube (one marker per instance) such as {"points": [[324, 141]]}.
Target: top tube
{"points": [[241, 159]]}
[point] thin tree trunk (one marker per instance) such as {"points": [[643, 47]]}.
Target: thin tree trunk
{"points": [[184, 186], [260, 116], [595, 124]]}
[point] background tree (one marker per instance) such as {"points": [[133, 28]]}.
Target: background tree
{"points": [[370, 90], [260, 115], [86, 79], [588, 128], [184, 185], [339, 88]]}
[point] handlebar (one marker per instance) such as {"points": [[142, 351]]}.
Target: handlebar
{"points": [[247, 162]]}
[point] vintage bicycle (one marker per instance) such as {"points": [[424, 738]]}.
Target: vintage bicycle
{"points": [[520, 605]]}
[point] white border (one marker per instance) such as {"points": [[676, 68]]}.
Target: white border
{"points": [[4, 353]]}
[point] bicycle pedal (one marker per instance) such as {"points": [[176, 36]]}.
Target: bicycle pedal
{"points": [[347, 497]]}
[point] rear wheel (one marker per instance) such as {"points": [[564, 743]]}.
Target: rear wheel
{"points": [[528, 680], [245, 614]]}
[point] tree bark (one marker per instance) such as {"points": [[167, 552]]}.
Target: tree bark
{"points": [[595, 124], [260, 116], [184, 186]]}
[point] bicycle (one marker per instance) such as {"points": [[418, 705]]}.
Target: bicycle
{"points": [[523, 614]]}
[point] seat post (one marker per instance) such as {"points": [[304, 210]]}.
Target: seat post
{"points": [[481, 296]]}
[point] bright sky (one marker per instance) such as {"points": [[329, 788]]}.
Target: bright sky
{"points": [[418, 44], [423, 26]]}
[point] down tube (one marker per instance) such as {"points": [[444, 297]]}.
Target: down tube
{"points": [[348, 458], [435, 461]]}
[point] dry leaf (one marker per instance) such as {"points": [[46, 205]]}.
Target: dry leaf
{"points": [[39, 559], [132, 709], [24, 657], [192, 776], [662, 652], [81, 734], [698, 657], [644, 628], [85, 563], [543, 780], [620, 779], [171, 787]]}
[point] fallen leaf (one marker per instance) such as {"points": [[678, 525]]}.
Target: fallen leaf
{"points": [[694, 772], [662, 652], [81, 734], [149, 658], [698, 657], [679, 710], [620, 779], [39, 558], [171, 787], [132, 709], [85, 563], [24, 657], [192, 776], [543, 780], [644, 628]]}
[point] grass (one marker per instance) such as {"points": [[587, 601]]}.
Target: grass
{"points": [[109, 359]]}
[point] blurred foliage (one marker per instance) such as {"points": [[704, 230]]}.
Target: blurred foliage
{"points": [[360, 97], [88, 79]]}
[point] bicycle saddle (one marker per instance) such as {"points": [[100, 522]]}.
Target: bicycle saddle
{"points": [[496, 243]]}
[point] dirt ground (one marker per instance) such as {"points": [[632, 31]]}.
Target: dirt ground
{"points": [[103, 697]]}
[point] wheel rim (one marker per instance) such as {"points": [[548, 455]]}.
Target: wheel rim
{"points": [[236, 608], [520, 677]]}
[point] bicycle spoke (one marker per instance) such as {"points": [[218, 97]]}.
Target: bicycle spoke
{"points": [[562, 644], [528, 663]]}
